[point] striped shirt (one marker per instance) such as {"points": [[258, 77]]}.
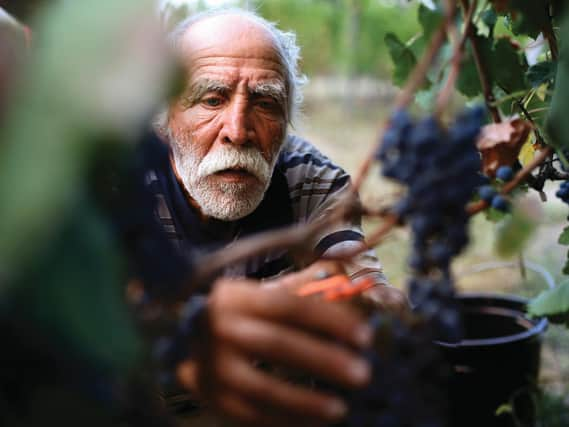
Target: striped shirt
{"points": [[305, 186]]}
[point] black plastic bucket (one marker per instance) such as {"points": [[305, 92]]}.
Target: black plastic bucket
{"points": [[496, 363]]}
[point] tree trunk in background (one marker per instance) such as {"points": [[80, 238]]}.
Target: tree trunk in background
{"points": [[354, 10]]}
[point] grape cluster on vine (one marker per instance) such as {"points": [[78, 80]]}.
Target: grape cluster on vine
{"points": [[440, 168], [407, 389]]}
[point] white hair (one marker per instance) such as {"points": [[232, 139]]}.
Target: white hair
{"points": [[227, 201], [285, 45]]}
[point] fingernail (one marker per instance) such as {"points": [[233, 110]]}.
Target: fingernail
{"points": [[336, 409], [363, 335], [359, 371]]}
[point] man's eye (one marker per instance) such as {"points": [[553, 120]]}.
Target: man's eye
{"points": [[212, 101], [267, 104]]}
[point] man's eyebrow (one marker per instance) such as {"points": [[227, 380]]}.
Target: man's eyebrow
{"points": [[275, 90], [199, 88]]}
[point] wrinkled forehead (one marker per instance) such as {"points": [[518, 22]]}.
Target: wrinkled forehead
{"points": [[229, 36]]}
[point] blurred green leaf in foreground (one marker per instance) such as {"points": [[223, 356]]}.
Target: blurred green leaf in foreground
{"points": [[95, 75]]}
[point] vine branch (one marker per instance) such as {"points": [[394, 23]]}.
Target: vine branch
{"points": [[483, 74], [446, 92], [549, 34], [293, 238], [413, 84]]}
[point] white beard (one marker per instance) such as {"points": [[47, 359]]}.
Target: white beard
{"points": [[226, 201]]}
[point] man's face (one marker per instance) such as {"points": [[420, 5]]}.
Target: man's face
{"points": [[228, 126]]}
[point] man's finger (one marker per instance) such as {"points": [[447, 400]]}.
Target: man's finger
{"points": [[244, 412], [238, 409], [317, 271], [388, 299], [278, 305], [297, 349], [187, 374], [297, 401]]}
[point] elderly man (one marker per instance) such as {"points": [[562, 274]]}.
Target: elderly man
{"points": [[234, 170]]}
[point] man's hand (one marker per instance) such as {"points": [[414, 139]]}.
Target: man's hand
{"points": [[247, 323], [318, 270], [384, 297], [388, 299]]}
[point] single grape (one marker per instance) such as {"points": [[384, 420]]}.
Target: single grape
{"points": [[505, 173], [500, 203], [563, 192], [487, 193]]}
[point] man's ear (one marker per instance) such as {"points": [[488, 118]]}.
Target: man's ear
{"points": [[160, 124]]}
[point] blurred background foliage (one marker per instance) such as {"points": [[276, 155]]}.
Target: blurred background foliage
{"points": [[342, 37]]}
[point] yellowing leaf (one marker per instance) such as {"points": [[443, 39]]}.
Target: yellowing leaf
{"points": [[542, 91], [527, 152]]}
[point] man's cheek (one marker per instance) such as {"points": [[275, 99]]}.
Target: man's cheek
{"points": [[201, 119], [277, 141]]}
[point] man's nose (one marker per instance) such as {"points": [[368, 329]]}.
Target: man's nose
{"points": [[237, 128]]}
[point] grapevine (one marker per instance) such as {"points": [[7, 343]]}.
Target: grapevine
{"points": [[445, 179]]}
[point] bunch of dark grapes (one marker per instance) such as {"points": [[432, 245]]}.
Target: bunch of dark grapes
{"points": [[409, 378], [440, 168], [171, 349]]}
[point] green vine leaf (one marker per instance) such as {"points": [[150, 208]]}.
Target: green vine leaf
{"points": [[566, 266], [402, 56], [564, 237], [468, 81], [557, 124], [489, 19], [505, 66], [540, 73], [538, 108], [508, 66], [430, 20], [553, 302], [529, 17], [515, 230]]}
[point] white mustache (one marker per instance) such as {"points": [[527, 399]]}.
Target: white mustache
{"points": [[248, 159]]}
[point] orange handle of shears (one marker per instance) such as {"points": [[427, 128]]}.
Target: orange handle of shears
{"points": [[335, 288]]}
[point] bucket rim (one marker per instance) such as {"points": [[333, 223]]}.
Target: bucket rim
{"points": [[539, 324]]}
